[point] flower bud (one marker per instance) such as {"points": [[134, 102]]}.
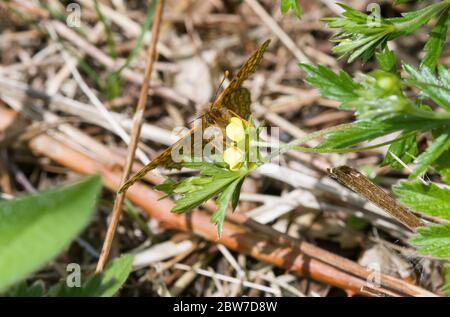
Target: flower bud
{"points": [[235, 130], [234, 157]]}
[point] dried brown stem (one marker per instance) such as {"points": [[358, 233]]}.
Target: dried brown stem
{"points": [[135, 132]]}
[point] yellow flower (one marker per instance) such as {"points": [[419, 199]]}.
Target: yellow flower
{"points": [[235, 130], [234, 157]]}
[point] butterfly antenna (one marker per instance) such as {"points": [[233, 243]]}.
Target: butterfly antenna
{"points": [[225, 76], [196, 118]]}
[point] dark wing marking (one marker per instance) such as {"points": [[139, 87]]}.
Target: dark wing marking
{"points": [[248, 68], [238, 100]]}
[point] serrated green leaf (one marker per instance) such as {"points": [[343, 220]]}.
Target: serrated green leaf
{"points": [[206, 168], [428, 199], [435, 88], [340, 87], [237, 194], [404, 149], [287, 5], [436, 41], [411, 21], [366, 130], [201, 194], [362, 34], [433, 240], [431, 154], [387, 61], [222, 202], [167, 187], [104, 284], [35, 228], [196, 190], [359, 131]]}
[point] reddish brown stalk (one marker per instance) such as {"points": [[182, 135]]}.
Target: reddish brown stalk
{"points": [[135, 133]]}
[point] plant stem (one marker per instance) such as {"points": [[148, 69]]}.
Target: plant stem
{"points": [[351, 150], [306, 138], [136, 130]]}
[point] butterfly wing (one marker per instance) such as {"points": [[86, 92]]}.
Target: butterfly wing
{"points": [[159, 160], [238, 100], [164, 159], [235, 97], [249, 67]]}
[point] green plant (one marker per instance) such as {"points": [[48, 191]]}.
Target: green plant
{"points": [[220, 178], [361, 34], [286, 5], [104, 284], [412, 102], [36, 228], [383, 102]]}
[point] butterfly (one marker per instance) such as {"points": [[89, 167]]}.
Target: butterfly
{"points": [[233, 101]]}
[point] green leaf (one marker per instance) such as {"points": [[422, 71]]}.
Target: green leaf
{"points": [[428, 199], [222, 202], [397, 2], [105, 284], [443, 166], [168, 186], [237, 194], [113, 85], [340, 87], [446, 273], [431, 154], [21, 289], [362, 34], [194, 198], [36, 228], [411, 21], [404, 149], [206, 168], [366, 130], [114, 276], [359, 131], [196, 190], [435, 88], [433, 240], [287, 5], [387, 61], [435, 44]]}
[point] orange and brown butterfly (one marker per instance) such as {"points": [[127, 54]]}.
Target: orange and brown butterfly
{"points": [[233, 101]]}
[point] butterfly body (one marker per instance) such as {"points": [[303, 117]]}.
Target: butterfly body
{"points": [[235, 100]]}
